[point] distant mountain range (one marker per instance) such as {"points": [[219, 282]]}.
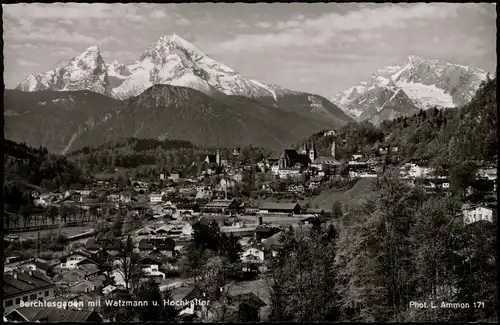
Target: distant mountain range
{"points": [[172, 91], [171, 60], [395, 91], [175, 91]]}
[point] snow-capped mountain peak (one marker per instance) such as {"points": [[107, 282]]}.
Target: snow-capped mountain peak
{"points": [[175, 61], [177, 41], [92, 50], [90, 58], [86, 71], [117, 69], [424, 83], [170, 60]]}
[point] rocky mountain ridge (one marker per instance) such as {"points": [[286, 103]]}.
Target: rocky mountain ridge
{"points": [[395, 91]]}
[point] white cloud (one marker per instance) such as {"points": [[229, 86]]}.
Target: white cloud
{"points": [[50, 31], [181, 21], [264, 24], [20, 46], [338, 45], [26, 63], [158, 14], [58, 10], [84, 11], [315, 31], [44, 35], [242, 24]]}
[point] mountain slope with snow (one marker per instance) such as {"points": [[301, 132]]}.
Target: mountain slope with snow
{"points": [[84, 72], [171, 60], [175, 61], [400, 91]]}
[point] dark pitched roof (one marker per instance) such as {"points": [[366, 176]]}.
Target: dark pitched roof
{"points": [[85, 261], [193, 294], [290, 154], [91, 242], [212, 159], [278, 206], [81, 252], [146, 230], [150, 260], [314, 210], [43, 265], [82, 281], [88, 269], [319, 219], [98, 281], [25, 281], [187, 206], [326, 160], [274, 241], [264, 229], [294, 157], [248, 298], [205, 220], [219, 204], [158, 243], [59, 277], [55, 315]]}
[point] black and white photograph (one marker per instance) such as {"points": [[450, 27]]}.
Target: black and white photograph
{"points": [[250, 162]]}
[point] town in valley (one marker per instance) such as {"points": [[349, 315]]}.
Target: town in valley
{"points": [[174, 189]]}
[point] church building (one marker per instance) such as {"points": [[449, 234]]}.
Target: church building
{"points": [[292, 162], [290, 158], [326, 162]]}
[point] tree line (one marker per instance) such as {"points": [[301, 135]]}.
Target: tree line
{"points": [[439, 137], [150, 158], [396, 247], [30, 169]]}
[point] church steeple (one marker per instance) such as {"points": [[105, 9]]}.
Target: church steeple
{"points": [[333, 149], [312, 151], [305, 148]]}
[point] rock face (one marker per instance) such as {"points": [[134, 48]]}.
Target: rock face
{"points": [[175, 61], [88, 71], [171, 60], [399, 91]]}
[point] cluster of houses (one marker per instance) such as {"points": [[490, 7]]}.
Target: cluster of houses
{"points": [[292, 163], [176, 204], [76, 280]]}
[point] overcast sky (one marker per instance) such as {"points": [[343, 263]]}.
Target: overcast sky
{"points": [[319, 48]]}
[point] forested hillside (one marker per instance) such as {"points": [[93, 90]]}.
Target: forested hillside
{"points": [[439, 137], [150, 157], [27, 169], [395, 247]]}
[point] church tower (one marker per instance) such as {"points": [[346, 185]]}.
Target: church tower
{"points": [[312, 152], [217, 157], [333, 149], [305, 148]]}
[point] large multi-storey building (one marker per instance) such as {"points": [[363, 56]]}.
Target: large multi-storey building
{"points": [[27, 286]]}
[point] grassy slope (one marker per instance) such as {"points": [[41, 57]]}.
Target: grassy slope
{"points": [[327, 198]]}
